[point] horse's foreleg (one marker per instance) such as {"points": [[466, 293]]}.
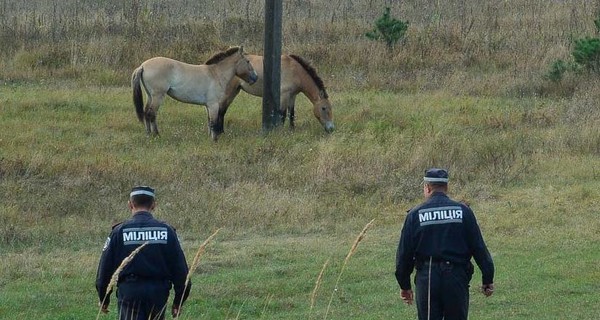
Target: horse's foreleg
{"points": [[287, 103], [216, 111], [292, 114], [215, 120], [282, 114], [221, 117]]}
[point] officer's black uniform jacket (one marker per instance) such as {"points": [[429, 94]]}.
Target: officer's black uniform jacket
{"points": [[161, 259], [442, 229]]}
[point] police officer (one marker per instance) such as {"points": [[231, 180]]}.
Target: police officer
{"points": [[144, 284], [438, 239]]}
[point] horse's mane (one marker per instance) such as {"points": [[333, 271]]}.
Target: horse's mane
{"points": [[313, 74], [218, 57]]}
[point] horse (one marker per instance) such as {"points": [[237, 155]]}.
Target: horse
{"points": [[209, 85], [297, 75]]}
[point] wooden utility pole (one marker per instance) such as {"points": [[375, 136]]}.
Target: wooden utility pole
{"points": [[271, 116]]}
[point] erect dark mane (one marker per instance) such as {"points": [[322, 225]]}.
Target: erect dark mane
{"points": [[218, 57], [313, 74]]}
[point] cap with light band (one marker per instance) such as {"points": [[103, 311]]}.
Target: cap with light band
{"points": [[146, 191], [435, 175]]}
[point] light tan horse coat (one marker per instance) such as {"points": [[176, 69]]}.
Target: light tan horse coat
{"points": [[209, 85]]}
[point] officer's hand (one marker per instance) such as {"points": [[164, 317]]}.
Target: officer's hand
{"points": [[487, 289], [175, 310], [103, 308], [407, 296]]}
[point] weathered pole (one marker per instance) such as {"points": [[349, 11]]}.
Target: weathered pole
{"points": [[271, 116]]}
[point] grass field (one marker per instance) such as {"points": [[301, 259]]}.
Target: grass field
{"points": [[290, 201], [465, 90]]}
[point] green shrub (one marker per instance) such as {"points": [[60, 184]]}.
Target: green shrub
{"points": [[586, 56], [388, 29], [587, 53], [557, 70]]}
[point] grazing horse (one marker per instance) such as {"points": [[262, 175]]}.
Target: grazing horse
{"points": [[297, 75], [209, 85]]}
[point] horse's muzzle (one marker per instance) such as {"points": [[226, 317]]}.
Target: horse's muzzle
{"points": [[329, 126], [253, 77]]}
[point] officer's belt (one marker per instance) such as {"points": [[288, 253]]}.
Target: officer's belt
{"points": [[423, 261], [130, 277]]}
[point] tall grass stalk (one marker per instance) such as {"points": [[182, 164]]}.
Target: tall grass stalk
{"points": [[115, 276], [269, 298], [195, 264], [240, 311], [359, 238], [318, 282]]}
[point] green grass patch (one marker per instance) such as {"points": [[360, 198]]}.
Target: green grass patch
{"points": [[291, 200]]}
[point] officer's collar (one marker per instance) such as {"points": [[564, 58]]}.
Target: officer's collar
{"points": [[142, 213], [438, 194]]}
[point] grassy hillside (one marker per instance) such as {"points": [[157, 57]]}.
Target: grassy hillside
{"points": [[290, 201]]}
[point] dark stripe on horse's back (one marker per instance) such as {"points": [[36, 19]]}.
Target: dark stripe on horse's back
{"points": [[313, 74], [218, 57]]}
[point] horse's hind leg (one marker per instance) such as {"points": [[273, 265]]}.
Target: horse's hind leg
{"points": [[146, 118], [150, 113]]}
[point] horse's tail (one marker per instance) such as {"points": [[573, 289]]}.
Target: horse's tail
{"points": [[138, 98]]}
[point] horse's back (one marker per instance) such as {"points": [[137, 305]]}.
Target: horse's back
{"points": [[162, 72], [163, 65], [291, 73]]}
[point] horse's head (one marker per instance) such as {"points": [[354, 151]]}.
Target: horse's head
{"points": [[244, 69], [322, 110]]}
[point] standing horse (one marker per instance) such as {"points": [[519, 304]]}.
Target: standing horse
{"points": [[209, 85], [297, 75]]}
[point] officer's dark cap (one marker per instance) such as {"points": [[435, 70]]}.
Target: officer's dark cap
{"points": [[142, 190], [436, 176]]}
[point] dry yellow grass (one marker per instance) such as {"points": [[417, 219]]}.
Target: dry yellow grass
{"points": [[469, 46]]}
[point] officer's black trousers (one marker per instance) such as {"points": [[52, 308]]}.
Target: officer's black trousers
{"points": [[448, 290], [142, 300]]}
